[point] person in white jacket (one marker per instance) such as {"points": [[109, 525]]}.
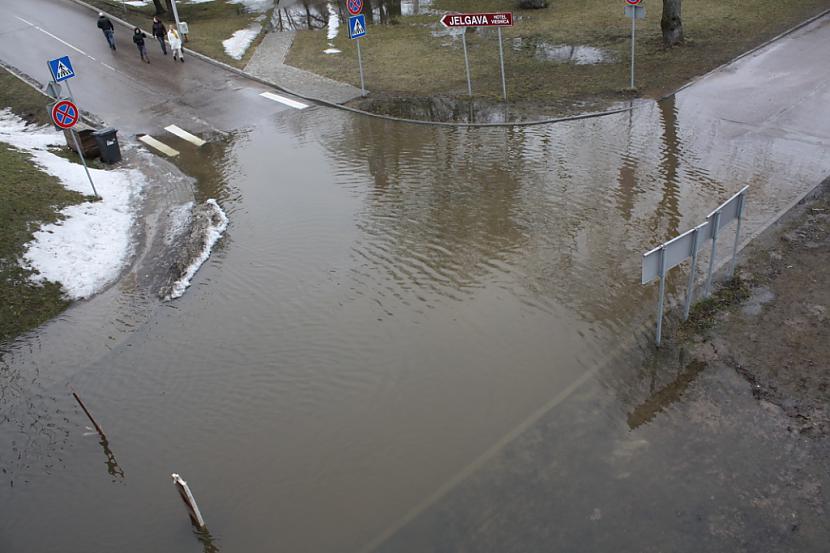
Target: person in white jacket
{"points": [[175, 44]]}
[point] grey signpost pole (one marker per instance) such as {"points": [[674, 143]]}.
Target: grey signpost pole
{"points": [[467, 63], [501, 59], [737, 233], [360, 63], [78, 145], [176, 17], [633, 35], [715, 225], [692, 271], [662, 295]]}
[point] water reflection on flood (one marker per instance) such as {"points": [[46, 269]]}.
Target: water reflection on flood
{"points": [[389, 302]]}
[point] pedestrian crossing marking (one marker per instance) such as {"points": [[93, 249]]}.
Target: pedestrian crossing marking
{"points": [[283, 100], [63, 72], [160, 146], [181, 133], [358, 28]]}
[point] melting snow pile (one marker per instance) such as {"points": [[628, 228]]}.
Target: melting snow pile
{"points": [[88, 249], [207, 224], [238, 44]]}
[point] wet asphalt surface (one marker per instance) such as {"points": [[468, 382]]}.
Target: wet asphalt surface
{"points": [[409, 338]]}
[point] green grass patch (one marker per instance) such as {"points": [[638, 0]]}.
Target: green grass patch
{"points": [[30, 198], [413, 58], [210, 23], [24, 101], [704, 314]]}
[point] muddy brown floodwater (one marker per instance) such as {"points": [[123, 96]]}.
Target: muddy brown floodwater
{"points": [[407, 330]]}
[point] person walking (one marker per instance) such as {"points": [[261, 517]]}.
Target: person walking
{"points": [[109, 31], [175, 44], [159, 31], [138, 39]]}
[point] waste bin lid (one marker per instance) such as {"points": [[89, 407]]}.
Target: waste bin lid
{"points": [[105, 131]]}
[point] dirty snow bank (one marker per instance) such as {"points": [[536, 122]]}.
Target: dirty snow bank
{"points": [[88, 249], [238, 44], [207, 225]]}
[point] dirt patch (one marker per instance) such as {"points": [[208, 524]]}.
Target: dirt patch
{"points": [[771, 324]]}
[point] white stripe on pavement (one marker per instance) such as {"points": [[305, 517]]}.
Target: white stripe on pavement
{"points": [[281, 99], [160, 146], [56, 38], [181, 133]]}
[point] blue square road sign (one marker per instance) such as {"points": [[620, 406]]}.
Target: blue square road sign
{"points": [[357, 26], [61, 69]]}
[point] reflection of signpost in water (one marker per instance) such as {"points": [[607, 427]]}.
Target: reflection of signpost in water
{"points": [[635, 11], [464, 20], [65, 114]]}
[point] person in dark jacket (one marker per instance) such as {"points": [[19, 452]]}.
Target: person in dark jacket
{"points": [[159, 31], [109, 31], [138, 39]]}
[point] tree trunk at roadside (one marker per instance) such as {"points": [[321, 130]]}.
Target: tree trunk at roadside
{"points": [[159, 7], [671, 23]]}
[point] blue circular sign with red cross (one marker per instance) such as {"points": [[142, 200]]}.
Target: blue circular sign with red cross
{"points": [[65, 114], [355, 6]]}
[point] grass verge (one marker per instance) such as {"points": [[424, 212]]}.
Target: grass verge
{"points": [[29, 198], [415, 57], [210, 23]]}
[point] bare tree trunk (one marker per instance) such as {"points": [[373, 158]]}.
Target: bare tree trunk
{"points": [[159, 7], [671, 23]]}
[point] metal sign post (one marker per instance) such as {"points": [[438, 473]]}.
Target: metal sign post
{"points": [[499, 20], [662, 295], [501, 59], [65, 113], [467, 63], [663, 258], [737, 234], [357, 29], [635, 11]]}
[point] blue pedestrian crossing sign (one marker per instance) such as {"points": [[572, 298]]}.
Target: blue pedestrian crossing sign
{"points": [[357, 26], [61, 69]]}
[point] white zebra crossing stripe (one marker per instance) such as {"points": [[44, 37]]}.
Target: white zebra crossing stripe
{"points": [[181, 133], [160, 146], [283, 100]]}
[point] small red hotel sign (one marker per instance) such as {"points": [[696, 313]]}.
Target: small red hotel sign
{"points": [[500, 19]]}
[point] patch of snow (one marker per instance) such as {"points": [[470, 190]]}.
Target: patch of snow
{"points": [[332, 51], [253, 5], [87, 250], [238, 44], [137, 3], [213, 233], [334, 23]]}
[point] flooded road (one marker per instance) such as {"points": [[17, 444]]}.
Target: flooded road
{"points": [[391, 309]]}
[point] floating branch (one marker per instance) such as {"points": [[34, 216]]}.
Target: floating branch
{"points": [[187, 497], [88, 414]]}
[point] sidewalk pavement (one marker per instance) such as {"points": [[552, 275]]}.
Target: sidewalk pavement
{"points": [[268, 62]]}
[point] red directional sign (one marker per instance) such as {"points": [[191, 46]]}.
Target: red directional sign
{"points": [[355, 6], [65, 114], [500, 19], [633, 2]]}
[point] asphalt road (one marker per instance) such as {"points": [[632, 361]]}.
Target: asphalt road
{"points": [[135, 97]]}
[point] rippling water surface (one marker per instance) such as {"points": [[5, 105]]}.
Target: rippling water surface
{"points": [[388, 303]]}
